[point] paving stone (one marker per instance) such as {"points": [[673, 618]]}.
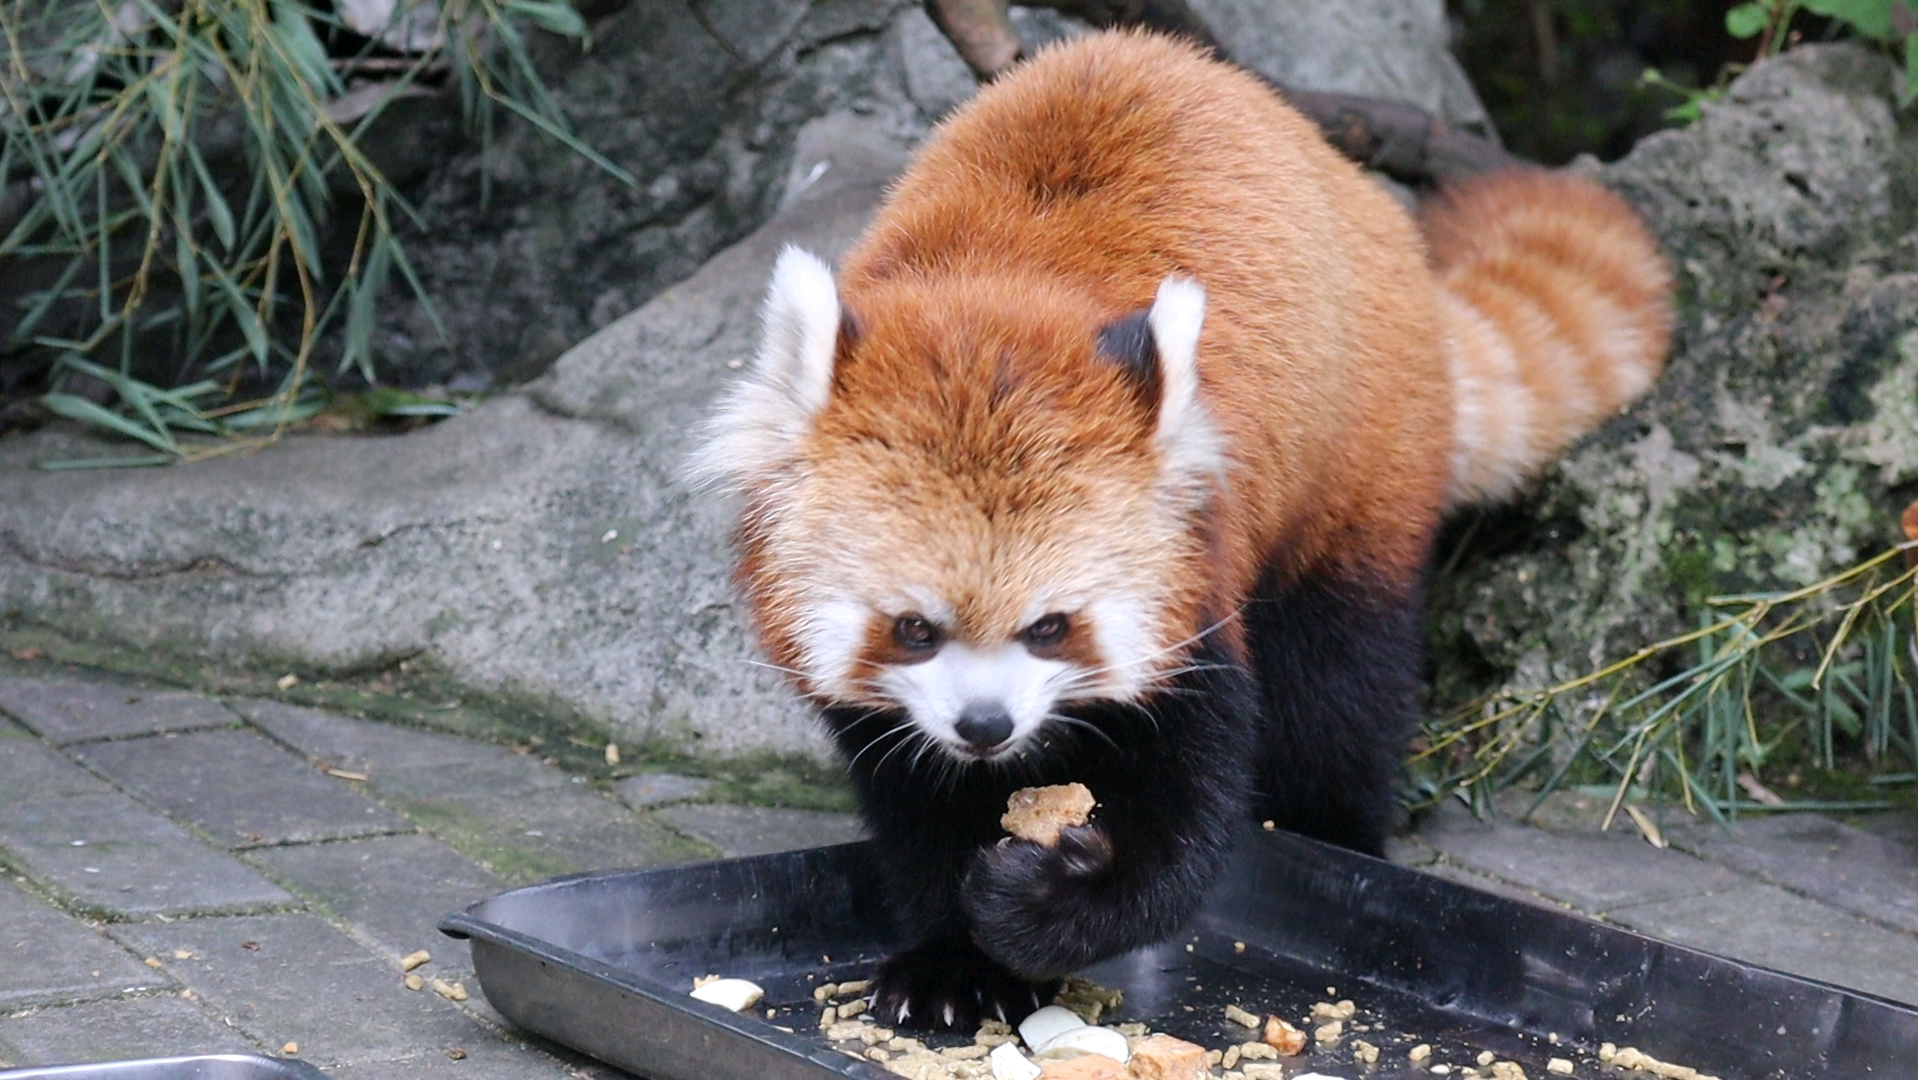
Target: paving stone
{"points": [[48, 957], [1410, 851], [1845, 867], [240, 789], [144, 1027], [1898, 826], [382, 751], [660, 789], [488, 1056], [1764, 924], [758, 830], [65, 712], [528, 836], [514, 814], [29, 769], [1591, 871], [294, 978], [394, 888], [116, 856]]}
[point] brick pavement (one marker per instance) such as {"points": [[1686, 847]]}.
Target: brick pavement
{"points": [[186, 875]]}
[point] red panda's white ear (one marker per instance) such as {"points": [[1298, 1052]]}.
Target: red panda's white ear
{"points": [[801, 328], [1190, 445], [762, 419]]}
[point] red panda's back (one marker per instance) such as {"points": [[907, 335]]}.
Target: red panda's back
{"points": [[1111, 161]]}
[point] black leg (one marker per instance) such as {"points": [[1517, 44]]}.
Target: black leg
{"points": [[1339, 666]]}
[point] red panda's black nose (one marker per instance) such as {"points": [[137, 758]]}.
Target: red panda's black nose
{"points": [[984, 724]]}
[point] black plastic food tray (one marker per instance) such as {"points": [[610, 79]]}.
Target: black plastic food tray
{"points": [[603, 963], [204, 1067]]}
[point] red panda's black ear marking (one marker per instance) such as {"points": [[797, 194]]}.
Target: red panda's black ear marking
{"points": [[1128, 344]]}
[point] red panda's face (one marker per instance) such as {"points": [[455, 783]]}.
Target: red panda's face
{"points": [[964, 508]]}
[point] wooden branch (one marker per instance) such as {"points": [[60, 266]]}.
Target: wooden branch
{"points": [[982, 32]]}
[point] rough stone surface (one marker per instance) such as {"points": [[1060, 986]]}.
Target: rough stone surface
{"points": [[31, 770], [1767, 925], [117, 1031], [1847, 868], [239, 789], [68, 712], [395, 888], [510, 812], [558, 248], [113, 855], [1594, 872], [657, 789], [47, 958], [759, 830], [1391, 49], [1779, 445], [541, 548], [293, 978]]}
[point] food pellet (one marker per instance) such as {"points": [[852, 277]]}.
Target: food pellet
{"points": [[853, 989], [1419, 1053], [1365, 1052], [1328, 1032], [1486, 1057], [1507, 1070], [1231, 1057], [1241, 1017], [414, 959], [449, 991], [1560, 1066], [822, 993], [852, 1008], [414, 982], [1257, 1051], [1238, 946], [290, 1049]]}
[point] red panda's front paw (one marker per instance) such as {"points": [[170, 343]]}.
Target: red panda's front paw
{"points": [[1026, 901], [947, 984]]}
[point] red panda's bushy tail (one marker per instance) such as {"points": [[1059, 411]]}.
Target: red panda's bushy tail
{"points": [[1555, 303]]}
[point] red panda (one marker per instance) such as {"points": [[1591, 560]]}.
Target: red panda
{"points": [[1114, 454]]}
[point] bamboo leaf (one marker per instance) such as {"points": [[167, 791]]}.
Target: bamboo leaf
{"points": [[74, 407]]}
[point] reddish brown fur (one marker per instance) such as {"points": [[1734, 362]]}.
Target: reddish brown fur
{"points": [[971, 406]]}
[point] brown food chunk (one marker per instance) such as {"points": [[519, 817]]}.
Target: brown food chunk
{"points": [[1283, 1037], [1162, 1057], [1084, 1067], [1039, 813]]}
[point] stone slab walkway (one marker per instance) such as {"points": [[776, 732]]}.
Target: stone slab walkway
{"points": [[185, 874]]}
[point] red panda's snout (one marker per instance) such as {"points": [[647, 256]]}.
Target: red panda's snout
{"points": [[975, 510]]}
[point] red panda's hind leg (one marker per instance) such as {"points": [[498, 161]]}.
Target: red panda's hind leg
{"points": [[1339, 665]]}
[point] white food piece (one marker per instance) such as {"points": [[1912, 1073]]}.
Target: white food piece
{"points": [[735, 994], [1048, 1024], [1009, 1064], [1088, 1040]]}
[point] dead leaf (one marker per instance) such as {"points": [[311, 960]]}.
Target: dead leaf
{"points": [[1647, 827], [1759, 792]]}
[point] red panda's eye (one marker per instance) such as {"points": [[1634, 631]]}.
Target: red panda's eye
{"points": [[1047, 630], [915, 633]]}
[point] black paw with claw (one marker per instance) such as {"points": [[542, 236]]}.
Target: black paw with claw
{"points": [[1030, 904], [948, 984]]}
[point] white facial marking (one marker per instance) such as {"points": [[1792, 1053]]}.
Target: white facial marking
{"points": [[935, 691], [830, 638], [1125, 640], [1189, 444], [766, 414]]}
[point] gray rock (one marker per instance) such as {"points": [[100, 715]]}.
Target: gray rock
{"points": [[1392, 49], [1774, 449], [541, 548], [528, 248]]}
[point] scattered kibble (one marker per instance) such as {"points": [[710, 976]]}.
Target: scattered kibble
{"points": [[290, 1049], [451, 991], [1328, 1032], [1561, 1066], [1421, 1052], [1486, 1057], [414, 982], [1241, 1017], [414, 959], [1364, 1052]]}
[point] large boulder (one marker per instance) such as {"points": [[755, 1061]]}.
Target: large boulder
{"points": [[527, 249], [1781, 442], [539, 552]]}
